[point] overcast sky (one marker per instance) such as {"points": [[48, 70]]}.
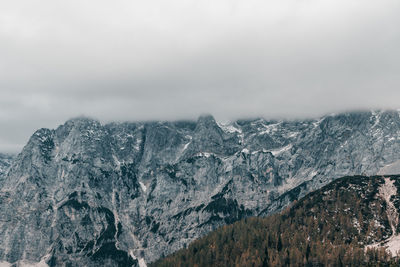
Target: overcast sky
{"points": [[140, 60]]}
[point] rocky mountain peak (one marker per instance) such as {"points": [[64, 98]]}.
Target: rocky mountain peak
{"points": [[206, 120], [148, 188], [82, 122], [78, 126]]}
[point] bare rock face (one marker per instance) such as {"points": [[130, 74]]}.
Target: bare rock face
{"points": [[123, 194], [5, 163]]}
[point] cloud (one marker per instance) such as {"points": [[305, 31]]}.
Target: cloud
{"points": [[138, 60]]}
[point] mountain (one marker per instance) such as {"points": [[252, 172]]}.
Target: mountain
{"points": [[129, 193], [353, 221], [5, 163]]}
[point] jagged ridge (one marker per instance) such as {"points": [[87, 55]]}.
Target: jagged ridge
{"points": [[168, 183]]}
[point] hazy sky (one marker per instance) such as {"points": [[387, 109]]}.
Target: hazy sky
{"points": [[139, 60]]}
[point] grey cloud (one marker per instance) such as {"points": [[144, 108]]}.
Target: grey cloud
{"points": [[139, 60]]}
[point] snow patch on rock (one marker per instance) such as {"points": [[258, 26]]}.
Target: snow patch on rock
{"points": [[228, 127], [276, 152], [142, 263], [24, 263], [392, 244], [144, 188], [271, 128]]}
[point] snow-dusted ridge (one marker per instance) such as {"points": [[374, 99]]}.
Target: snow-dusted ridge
{"points": [[173, 181]]}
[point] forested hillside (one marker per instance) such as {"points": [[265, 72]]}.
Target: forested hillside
{"points": [[330, 227]]}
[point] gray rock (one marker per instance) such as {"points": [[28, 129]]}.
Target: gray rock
{"points": [[5, 163], [118, 194]]}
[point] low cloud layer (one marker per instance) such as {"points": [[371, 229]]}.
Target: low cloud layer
{"points": [[140, 60]]}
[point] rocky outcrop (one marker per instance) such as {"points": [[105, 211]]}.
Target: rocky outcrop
{"points": [[125, 193], [5, 163]]}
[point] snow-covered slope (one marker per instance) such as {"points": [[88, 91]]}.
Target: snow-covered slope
{"points": [[125, 193]]}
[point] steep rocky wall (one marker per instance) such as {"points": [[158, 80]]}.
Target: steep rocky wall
{"points": [[125, 193]]}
